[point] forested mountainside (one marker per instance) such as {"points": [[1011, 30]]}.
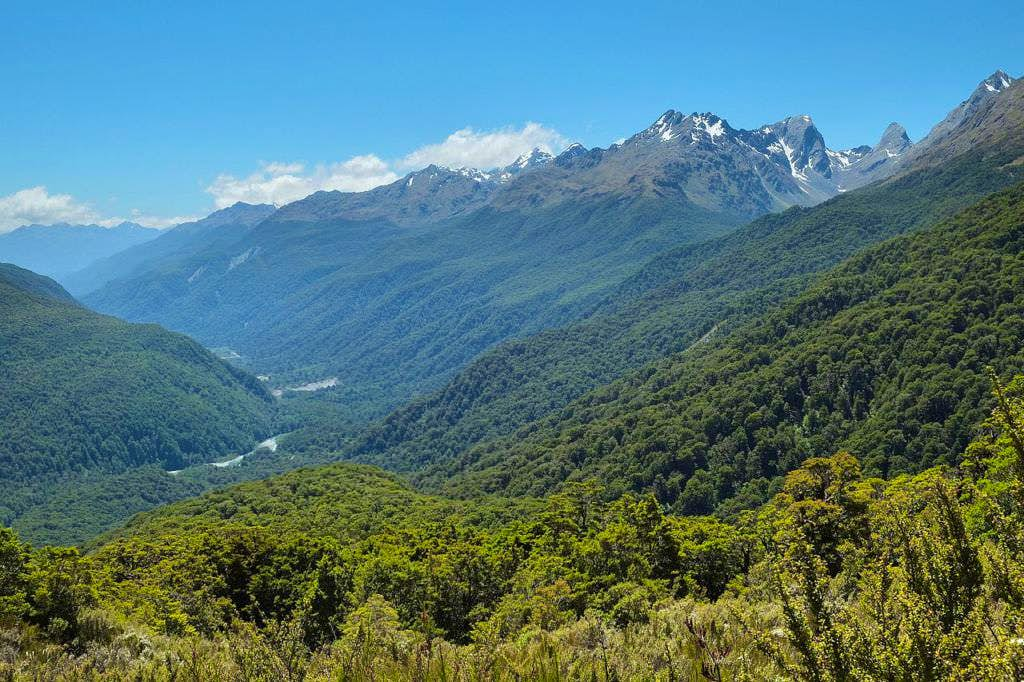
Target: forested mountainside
{"points": [[342, 572], [689, 293], [58, 250], [393, 310], [883, 356], [173, 245], [393, 290], [85, 393]]}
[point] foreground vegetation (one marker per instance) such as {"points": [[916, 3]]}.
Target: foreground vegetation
{"points": [[839, 577]]}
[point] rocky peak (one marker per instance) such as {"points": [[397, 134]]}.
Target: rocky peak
{"points": [[894, 139], [803, 144], [525, 163], [578, 156], [996, 83]]}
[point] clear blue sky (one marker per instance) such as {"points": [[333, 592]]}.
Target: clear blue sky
{"points": [[142, 105]]}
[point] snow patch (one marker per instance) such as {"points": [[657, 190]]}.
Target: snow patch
{"points": [[797, 173], [841, 158]]}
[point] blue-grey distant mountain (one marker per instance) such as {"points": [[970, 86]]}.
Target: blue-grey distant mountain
{"points": [[177, 242], [58, 250]]}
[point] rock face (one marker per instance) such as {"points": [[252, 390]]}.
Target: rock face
{"points": [[995, 108], [863, 165]]}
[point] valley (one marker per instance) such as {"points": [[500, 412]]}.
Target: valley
{"points": [[706, 403]]}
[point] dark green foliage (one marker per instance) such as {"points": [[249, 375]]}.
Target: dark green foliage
{"points": [[83, 392], [326, 539], [884, 357]]}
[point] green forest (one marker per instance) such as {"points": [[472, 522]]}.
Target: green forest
{"points": [[84, 393], [666, 308], [346, 573], [883, 356]]}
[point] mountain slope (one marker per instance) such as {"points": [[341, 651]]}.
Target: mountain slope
{"points": [[88, 393], [173, 244], [58, 250], [884, 357], [676, 300]]}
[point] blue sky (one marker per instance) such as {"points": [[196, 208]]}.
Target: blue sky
{"points": [[165, 110]]}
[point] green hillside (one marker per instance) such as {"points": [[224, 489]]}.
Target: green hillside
{"points": [[883, 357], [85, 393]]}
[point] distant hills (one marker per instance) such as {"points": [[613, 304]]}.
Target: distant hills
{"points": [[58, 250], [174, 244]]}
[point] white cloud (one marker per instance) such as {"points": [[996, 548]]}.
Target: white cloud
{"points": [[281, 183], [36, 205], [485, 150]]}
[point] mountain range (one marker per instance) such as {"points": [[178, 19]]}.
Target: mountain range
{"points": [[393, 290], [690, 296], [59, 250], [708, 403]]}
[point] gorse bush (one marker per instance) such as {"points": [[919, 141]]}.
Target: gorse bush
{"points": [[839, 577]]}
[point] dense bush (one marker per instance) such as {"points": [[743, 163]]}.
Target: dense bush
{"points": [[839, 577]]}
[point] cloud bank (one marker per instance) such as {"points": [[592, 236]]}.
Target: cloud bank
{"points": [[283, 182], [485, 150], [36, 205]]}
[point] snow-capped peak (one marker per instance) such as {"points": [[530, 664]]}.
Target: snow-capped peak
{"points": [[997, 82], [532, 158], [697, 126]]}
